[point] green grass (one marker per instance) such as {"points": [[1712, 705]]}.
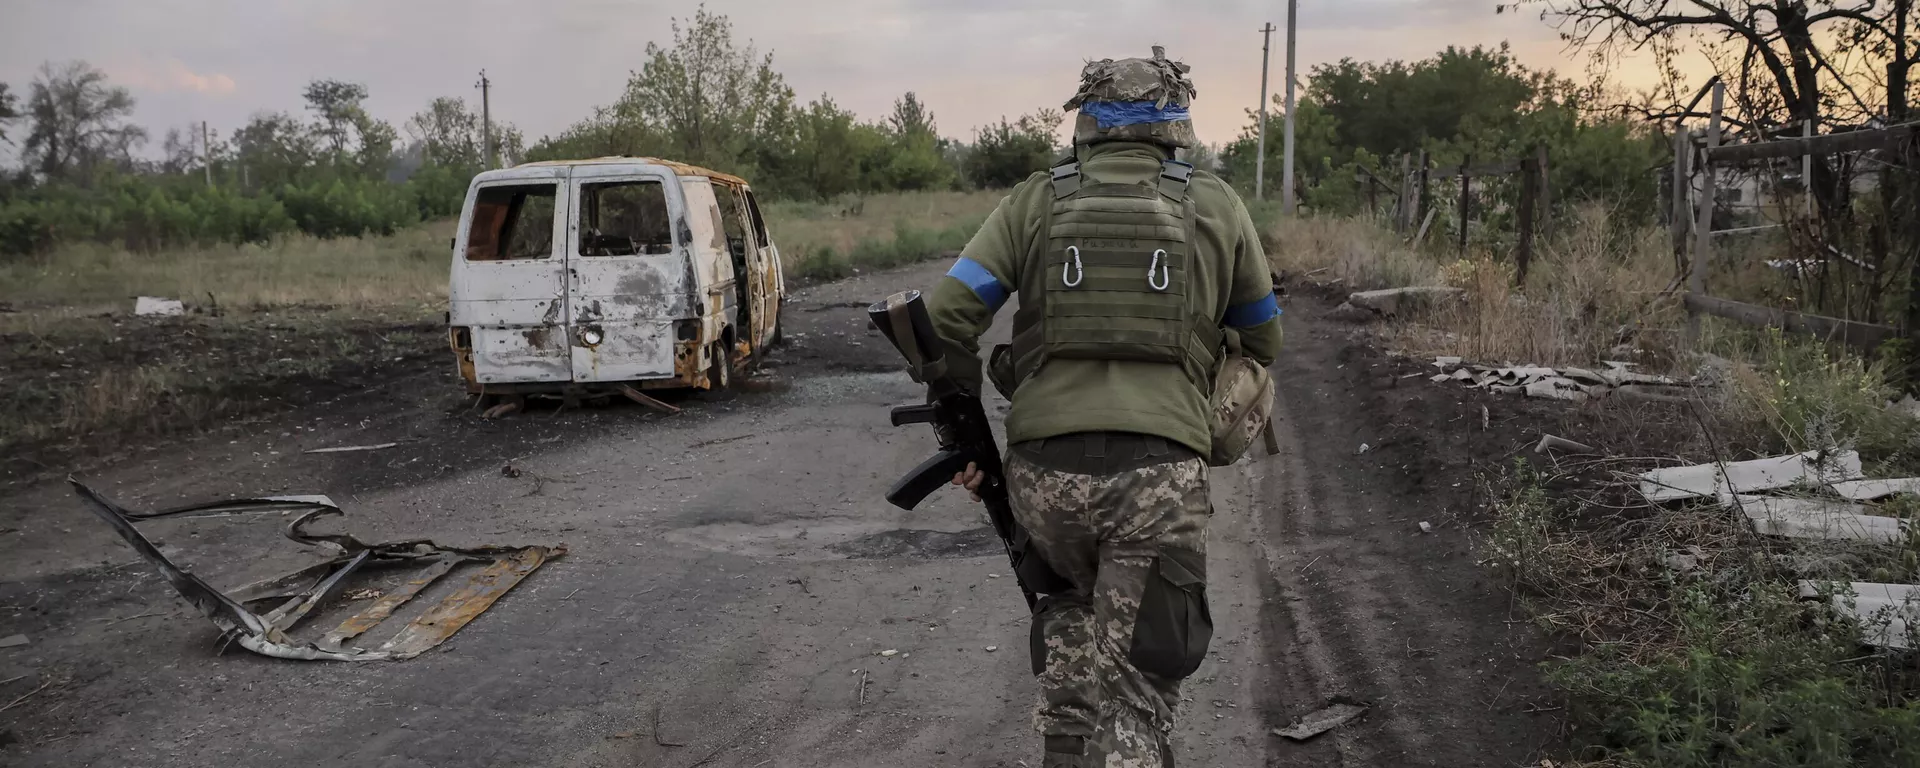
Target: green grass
{"points": [[827, 241]]}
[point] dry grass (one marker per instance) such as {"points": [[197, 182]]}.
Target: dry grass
{"points": [[409, 267], [1591, 288], [1355, 251]]}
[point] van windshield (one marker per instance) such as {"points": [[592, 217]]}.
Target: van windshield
{"points": [[624, 218], [512, 222]]}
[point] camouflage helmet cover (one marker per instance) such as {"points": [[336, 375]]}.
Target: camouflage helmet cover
{"points": [[1158, 80]]}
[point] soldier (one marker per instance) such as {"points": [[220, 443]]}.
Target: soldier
{"points": [[1135, 272]]}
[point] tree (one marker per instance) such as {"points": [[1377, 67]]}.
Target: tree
{"points": [[9, 111], [451, 134], [1781, 60], [910, 117], [78, 121], [275, 148], [833, 153], [1005, 154], [337, 103], [916, 157], [179, 151], [710, 99]]}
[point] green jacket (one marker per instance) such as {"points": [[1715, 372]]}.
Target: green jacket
{"points": [[1070, 395]]}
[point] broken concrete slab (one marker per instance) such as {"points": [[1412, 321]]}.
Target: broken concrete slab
{"points": [[1393, 301], [1556, 388], [153, 306], [1868, 490], [1320, 721], [1810, 468], [295, 595], [1823, 519], [1885, 611]]}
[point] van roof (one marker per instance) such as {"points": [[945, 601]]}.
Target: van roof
{"points": [[681, 169]]}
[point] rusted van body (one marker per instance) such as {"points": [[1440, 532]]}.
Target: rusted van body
{"points": [[576, 277]]}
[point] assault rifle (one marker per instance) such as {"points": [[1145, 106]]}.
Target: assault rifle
{"points": [[965, 436]]}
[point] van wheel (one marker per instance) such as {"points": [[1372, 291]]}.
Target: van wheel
{"points": [[719, 373]]}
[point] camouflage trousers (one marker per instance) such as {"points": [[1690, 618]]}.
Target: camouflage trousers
{"points": [[1110, 536]]}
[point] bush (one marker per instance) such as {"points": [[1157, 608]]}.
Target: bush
{"points": [[349, 207], [1809, 396]]}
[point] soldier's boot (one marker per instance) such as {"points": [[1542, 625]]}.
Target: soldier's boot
{"points": [[1068, 752]]}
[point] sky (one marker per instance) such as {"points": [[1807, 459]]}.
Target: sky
{"points": [[551, 62]]}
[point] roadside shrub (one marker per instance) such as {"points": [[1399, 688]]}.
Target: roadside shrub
{"points": [[1809, 395], [1748, 683], [349, 207]]}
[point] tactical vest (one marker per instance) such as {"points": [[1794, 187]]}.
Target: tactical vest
{"points": [[1119, 259]]}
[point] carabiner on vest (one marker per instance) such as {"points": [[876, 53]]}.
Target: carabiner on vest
{"points": [[1166, 274], [1079, 271]]}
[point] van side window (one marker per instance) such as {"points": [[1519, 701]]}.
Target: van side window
{"points": [[759, 224], [733, 219], [512, 222], [625, 218]]}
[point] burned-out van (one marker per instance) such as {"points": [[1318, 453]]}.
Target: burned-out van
{"points": [[577, 277]]}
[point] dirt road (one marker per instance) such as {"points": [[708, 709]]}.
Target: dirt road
{"points": [[735, 575]]}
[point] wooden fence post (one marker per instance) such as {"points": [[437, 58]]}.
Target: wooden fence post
{"points": [[1681, 214], [1543, 208], [1529, 191], [1703, 228], [1420, 188], [1403, 218], [1466, 189]]}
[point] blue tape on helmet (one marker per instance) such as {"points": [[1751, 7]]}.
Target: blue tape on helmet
{"points": [[980, 281], [1114, 114], [1253, 312]]}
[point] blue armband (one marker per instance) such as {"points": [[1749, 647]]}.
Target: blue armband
{"points": [[1253, 312], [980, 281]]}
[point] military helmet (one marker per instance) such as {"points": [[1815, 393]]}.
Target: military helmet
{"points": [[1134, 100]]}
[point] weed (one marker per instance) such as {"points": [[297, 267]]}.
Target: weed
{"points": [[1811, 396]]}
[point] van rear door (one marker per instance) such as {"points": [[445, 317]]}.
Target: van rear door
{"points": [[508, 283], [628, 279]]}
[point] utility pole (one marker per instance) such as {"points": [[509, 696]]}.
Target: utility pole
{"points": [[1260, 159], [486, 120], [1286, 164], [206, 153]]}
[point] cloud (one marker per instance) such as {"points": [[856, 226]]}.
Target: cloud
{"points": [[170, 75]]}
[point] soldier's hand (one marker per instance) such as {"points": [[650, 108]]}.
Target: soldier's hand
{"points": [[970, 479]]}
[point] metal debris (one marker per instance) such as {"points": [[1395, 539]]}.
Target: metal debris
{"points": [[1319, 722], [1550, 442], [1886, 612], [350, 448], [1810, 468], [295, 595], [11, 641]]}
